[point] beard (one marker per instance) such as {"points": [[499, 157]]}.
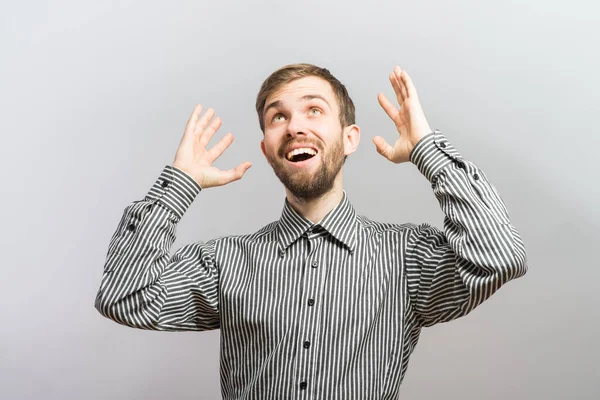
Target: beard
{"points": [[305, 184]]}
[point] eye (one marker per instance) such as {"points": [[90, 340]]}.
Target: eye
{"points": [[276, 116], [315, 111]]}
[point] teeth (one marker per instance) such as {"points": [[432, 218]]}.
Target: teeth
{"points": [[300, 151]]}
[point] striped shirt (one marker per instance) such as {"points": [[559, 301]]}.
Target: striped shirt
{"points": [[331, 310]]}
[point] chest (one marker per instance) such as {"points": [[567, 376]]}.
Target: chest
{"points": [[317, 282]]}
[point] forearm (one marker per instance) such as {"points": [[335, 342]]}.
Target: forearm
{"points": [[134, 289], [477, 223]]}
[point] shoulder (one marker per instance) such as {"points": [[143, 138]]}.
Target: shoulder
{"points": [[371, 226], [407, 232], [266, 234]]}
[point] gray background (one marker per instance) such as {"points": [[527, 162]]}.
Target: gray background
{"points": [[94, 98]]}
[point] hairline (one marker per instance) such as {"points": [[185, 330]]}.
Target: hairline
{"points": [[292, 72]]}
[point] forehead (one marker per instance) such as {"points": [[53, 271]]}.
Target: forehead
{"points": [[303, 86]]}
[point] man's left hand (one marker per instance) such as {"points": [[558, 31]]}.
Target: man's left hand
{"points": [[409, 119]]}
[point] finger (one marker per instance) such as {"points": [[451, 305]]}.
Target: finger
{"points": [[193, 118], [235, 174], [220, 147], [210, 131], [203, 121], [411, 90], [396, 87], [401, 84], [387, 106], [383, 147]]}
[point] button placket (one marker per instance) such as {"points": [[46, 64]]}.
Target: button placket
{"points": [[311, 286]]}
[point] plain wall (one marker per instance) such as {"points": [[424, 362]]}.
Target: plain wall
{"points": [[94, 97]]}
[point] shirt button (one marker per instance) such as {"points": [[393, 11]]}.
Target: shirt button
{"points": [[302, 385], [164, 183], [443, 145], [306, 344], [315, 263], [311, 302], [476, 177], [461, 165], [131, 227], [281, 253]]}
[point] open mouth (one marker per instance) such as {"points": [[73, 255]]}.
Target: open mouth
{"points": [[301, 154]]}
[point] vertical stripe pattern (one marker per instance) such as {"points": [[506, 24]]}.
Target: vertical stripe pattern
{"points": [[330, 310]]}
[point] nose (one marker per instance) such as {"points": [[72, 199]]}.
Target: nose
{"points": [[295, 127]]}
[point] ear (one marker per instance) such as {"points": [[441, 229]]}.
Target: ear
{"points": [[351, 138], [264, 150]]}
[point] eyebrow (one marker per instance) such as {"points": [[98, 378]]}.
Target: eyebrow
{"points": [[307, 97]]}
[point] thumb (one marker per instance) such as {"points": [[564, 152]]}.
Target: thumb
{"points": [[383, 147], [241, 169], [234, 174]]}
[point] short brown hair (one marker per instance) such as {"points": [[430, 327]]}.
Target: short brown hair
{"points": [[291, 72]]}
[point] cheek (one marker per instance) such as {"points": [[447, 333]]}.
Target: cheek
{"points": [[331, 134], [271, 147], [320, 125]]}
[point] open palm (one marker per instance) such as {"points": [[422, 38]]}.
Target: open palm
{"points": [[409, 118], [196, 160]]}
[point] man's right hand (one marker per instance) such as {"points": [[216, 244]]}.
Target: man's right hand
{"points": [[193, 158]]}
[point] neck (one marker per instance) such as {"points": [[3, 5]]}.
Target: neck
{"points": [[315, 209]]}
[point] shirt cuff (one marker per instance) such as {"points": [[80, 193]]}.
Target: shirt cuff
{"points": [[433, 153], [174, 189]]}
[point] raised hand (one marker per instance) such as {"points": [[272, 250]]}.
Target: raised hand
{"points": [[193, 158], [409, 119]]}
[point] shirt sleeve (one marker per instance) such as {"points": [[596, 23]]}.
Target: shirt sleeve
{"points": [[451, 272], [142, 285]]}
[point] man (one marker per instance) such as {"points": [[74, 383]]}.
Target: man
{"points": [[323, 303]]}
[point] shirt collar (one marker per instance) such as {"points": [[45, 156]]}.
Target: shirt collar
{"points": [[339, 222]]}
